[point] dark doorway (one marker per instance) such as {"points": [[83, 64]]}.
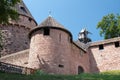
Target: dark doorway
{"points": [[80, 70]]}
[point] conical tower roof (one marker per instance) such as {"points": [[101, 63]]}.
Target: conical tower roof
{"points": [[23, 10], [51, 23]]}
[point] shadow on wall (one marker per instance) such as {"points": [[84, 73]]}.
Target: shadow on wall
{"points": [[44, 66], [93, 64]]}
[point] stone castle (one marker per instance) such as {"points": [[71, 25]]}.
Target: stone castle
{"points": [[50, 47]]}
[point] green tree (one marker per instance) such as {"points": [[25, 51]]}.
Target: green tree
{"points": [[7, 10], [109, 26]]}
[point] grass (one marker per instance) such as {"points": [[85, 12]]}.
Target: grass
{"points": [[109, 75]]}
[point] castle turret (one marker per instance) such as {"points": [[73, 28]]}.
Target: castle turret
{"points": [[50, 47], [83, 36], [15, 33]]}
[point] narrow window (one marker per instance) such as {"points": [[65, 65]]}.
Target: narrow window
{"points": [[117, 44], [46, 31], [30, 19], [61, 66], [101, 47], [60, 37]]}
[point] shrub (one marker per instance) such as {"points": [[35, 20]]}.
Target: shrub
{"points": [[40, 72]]}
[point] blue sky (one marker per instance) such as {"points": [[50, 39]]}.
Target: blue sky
{"points": [[74, 14]]}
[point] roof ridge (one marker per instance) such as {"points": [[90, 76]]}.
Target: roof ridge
{"points": [[105, 41]]}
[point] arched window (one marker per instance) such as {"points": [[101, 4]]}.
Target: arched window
{"points": [[80, 70]]}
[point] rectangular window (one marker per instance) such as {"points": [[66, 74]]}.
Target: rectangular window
{"points": [[116, 44], [101, 47], [61, 66], [46, 31]]}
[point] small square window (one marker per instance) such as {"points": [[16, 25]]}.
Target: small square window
{"points": [[46, 31], [116, 44], [101, 47]]}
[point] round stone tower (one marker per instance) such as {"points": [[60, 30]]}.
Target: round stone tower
{"points": [[50, 47], [15, 33]]}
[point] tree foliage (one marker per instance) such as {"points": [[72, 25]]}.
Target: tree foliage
{"points": [[109, 26], [7, 10]]}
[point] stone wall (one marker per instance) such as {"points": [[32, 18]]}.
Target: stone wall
{"points": [[15, 35], [19, 59], [79, 58], [51, 52], [55, 53], [26, 21], [105, 59], [14, 39]]}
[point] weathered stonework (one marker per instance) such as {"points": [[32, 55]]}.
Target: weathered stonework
{"points": [[48, 52], [56, 52], [79, 58], [107, 58], [52, 48], [19, 58], [15, 33], [14, 39]]}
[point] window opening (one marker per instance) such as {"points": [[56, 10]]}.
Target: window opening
{"points": [[117, 44], [30, 19], [101, 47], [61, 66], [46, 31]]}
